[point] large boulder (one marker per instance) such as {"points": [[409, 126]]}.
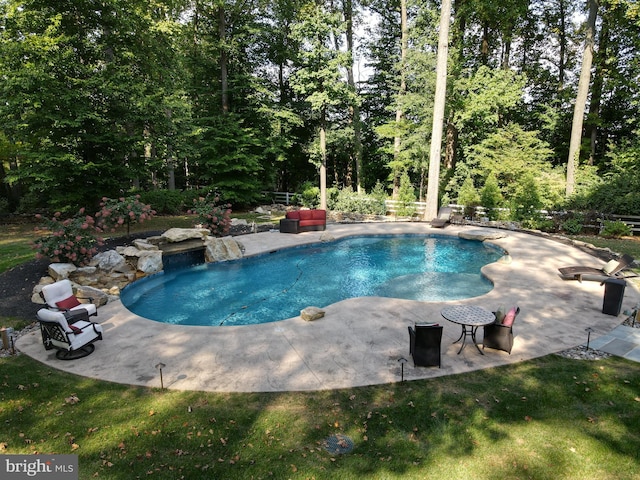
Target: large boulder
{"points": [[221, 249], [327, 237], [181, 234], [310, 314], [97, 296], [110, 261], [149, 262], [142, 244], [60, 271]]}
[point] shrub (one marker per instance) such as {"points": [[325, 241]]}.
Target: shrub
{"points": [[573, 226], [216, 218], [468, 196], [346, 200], [406, 197], [309, 195], [491, 197], [71, 240], [538, 223], [615, 229], [168, 202], [115, 213], [526, 202]]}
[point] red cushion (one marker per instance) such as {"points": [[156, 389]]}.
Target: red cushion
{"points": [[509, 317], [318, 214], [294, 215], [306, 223], [68, 303]]}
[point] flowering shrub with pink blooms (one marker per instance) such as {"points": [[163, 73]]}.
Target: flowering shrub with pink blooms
{"points": [[117, 212], [217, 218], [71, 240]]}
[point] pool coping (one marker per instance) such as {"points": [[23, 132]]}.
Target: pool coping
{"points": [[360, 341]]}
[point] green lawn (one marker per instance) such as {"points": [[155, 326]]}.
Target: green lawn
{"points": [[15, 245], [542, 419], [546, 418]]}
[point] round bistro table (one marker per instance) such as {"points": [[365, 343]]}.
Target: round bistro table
{"points": [[470, 317]]}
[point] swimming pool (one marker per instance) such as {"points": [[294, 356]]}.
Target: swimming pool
{"points": [[276, 286]]}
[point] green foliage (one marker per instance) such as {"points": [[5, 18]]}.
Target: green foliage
{"points": [[167, 202], [406, 197], [572, 226], [116, 213], [615, 229], [346, 200], [228, 159], [618, 191], [484, 98], [309, 195], [468, 196], [71, 240], [491, 197], [526, 202], [510, 154], [211, 215], [85, 93]]}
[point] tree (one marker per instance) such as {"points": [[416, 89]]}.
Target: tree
{"points": [[581, 96], [431, 208], [318, 78], [402, 88]]}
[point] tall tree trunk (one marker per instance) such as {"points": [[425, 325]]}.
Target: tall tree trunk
{"points": [[563, 44], [581, 97], [404, 46], [431, 209], [354, 110], [171, 161], [451, 143], [323, 156], [224, 60], [598, 83], [484, 45], [457, 54]]}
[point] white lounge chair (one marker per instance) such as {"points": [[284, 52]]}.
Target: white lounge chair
{"points": [[59, 297], [72, 334]]}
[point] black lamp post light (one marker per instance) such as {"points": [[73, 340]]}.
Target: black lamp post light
{"points": [[160, 366], [588, 330], [402, 361]]}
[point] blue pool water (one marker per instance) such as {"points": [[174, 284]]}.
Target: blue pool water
{"points": [[276, 286]]}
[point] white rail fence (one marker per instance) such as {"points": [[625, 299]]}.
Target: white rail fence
{"points": [[287, 198]]}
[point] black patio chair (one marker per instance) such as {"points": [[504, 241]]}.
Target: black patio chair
{"points": [[499, 335], [425, 345]]}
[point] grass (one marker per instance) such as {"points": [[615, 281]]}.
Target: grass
{"points": [[15, 245], [550, 417], [628, 245], [547, 418]]}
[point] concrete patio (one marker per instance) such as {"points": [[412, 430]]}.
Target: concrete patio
{"points": [[359, 341]]}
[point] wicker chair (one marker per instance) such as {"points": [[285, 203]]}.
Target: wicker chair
{"points": [[500, 336], [425, 345]]}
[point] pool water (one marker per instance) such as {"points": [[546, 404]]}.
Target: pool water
{"points": [[276, 286]]}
